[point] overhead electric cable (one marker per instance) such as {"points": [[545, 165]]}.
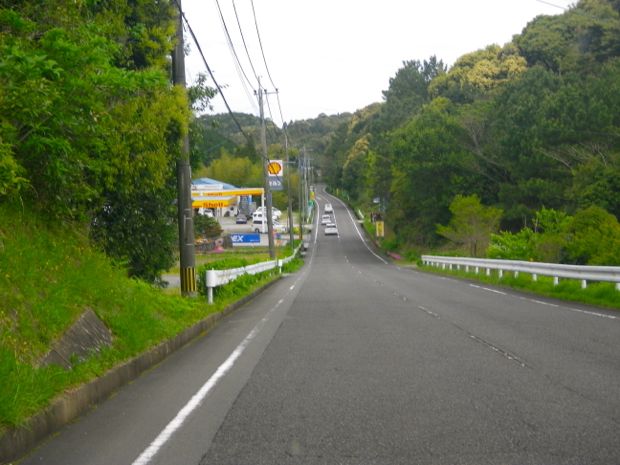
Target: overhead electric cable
{"points": [[553, 5], [244, 43], [204, 60], [260, 42], [262, 50], [238, 66]]}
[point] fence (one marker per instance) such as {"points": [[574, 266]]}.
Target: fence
{"points": [[583, 273], [217, 278]]}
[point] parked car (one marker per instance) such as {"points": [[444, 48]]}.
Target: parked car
{"points": [[328, 208], [277, 214], [241, 219], [258, 216], [277, 226], [206, 212], [326, 219], [331, 229]]}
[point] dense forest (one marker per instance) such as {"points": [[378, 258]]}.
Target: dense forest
{"points": [[526, 135], [90, 125]]}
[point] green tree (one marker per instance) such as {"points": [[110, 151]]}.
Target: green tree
{"points": [[90, 127], [471, 224], [594, 238], [476, 74]]}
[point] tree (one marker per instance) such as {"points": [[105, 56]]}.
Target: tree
{"points": [[471, 224], [90, 127], [594, 238], [476, 74]]}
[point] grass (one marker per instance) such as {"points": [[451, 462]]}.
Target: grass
{"points": [[599, 294], [49, 275]]}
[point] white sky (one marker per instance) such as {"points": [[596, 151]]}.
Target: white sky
{"points": [[335, 56]]}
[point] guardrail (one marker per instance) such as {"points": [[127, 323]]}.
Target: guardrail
{"points": [[609, 274], [215, 278]]}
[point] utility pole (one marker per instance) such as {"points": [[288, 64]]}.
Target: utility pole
{"points": [[301, 201], [263, 134], [187, 253], [288, 189]]}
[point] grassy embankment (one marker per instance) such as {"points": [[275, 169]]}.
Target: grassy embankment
{"points": [[49, 274]]}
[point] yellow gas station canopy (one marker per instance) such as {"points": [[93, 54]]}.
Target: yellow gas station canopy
{"points": [[229, 192], [212, 202]]}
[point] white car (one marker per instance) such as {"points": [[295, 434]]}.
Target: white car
{"points": [[331, 229], [275, 213], [328, 208], [326, 219], [277, 227]]}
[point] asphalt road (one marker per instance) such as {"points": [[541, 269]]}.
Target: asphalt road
{"points": [[356, 361]]}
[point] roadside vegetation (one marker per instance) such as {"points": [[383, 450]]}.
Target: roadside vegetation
{"points": [[50, 276], [90, 133], [505, 134]]}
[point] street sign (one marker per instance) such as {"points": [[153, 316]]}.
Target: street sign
{"points": [[380, 228], [275, 183], [245, 238], [275, 170]]}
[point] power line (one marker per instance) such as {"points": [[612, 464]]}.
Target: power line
{"points": [[204, 60], [238, 66], [260, 42], [553, 5], [262, 50], [244, 43]]}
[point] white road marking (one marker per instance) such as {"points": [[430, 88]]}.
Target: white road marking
{"points": [[543, 303], [147, 455], [488, 289], [549, 304]]}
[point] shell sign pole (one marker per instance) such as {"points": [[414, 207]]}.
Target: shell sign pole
{"points": [[275, 170]]}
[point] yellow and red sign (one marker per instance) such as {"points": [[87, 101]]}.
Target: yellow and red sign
{"points": [[275, 167]]}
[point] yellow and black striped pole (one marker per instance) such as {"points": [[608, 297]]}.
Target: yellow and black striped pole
{"points": [[188, 281], [187, 253]]}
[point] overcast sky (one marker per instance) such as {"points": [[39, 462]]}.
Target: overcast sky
{"points": [[335, 56]]}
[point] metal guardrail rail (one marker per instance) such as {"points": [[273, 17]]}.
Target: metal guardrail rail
{"points": [[215, 278], [583, 273]]}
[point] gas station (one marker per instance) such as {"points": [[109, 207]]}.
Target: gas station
{"points": [[216, 195]]}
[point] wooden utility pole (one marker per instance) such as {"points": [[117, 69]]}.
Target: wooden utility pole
{"points": [[290, 198], [263, 134], [187, 253]]}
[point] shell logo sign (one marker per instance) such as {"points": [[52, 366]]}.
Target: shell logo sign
{"points": [[274, 168]]}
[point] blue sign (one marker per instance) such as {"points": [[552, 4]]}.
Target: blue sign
{"points": [[245, 238], [275, 183]]}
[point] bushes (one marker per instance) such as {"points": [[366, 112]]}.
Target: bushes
{"points": [[590, 237]]}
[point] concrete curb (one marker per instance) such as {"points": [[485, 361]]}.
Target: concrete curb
{"points": [[16, 442]]}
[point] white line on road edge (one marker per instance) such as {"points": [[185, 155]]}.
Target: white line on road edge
{"points": [[487, 289], [163, 437]]}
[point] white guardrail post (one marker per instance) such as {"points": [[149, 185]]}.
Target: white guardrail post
{"points": [[211, 283], [584, 274]]}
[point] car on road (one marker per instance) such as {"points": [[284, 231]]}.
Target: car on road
{"points": [[331, 229], [328, 208], [241, 219], [326, 219]]}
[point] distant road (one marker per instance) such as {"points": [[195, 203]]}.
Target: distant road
{"points": [[356, 361]]}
